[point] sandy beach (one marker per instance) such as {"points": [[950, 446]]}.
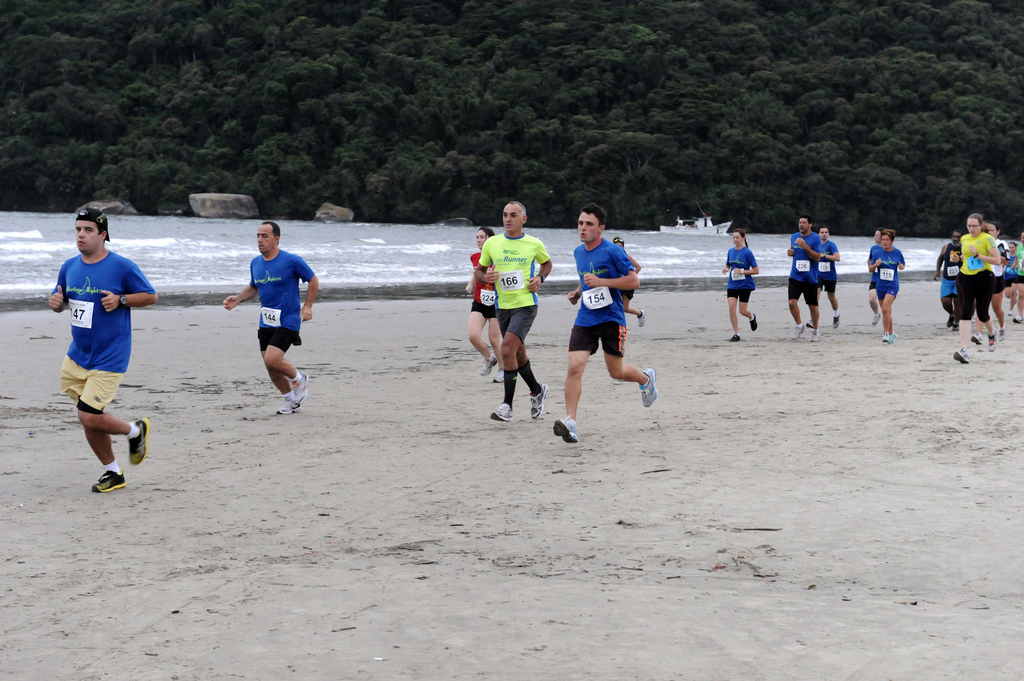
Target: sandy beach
{"points": [[786, 510]]}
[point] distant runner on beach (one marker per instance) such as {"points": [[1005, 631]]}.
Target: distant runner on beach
{"points": [[974, 283], [888, 266], [805, 249], [604, 271], [873, 255], [827, 275], [101, 287], [740, 265], [947, 269], [627, 295], [483, 313], [515, 257], [274, 275]]}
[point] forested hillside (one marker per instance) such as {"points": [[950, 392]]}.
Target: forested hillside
{"points": [[863, 113]]}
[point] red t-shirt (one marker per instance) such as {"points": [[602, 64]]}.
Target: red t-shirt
{"points": [[475, 259]]}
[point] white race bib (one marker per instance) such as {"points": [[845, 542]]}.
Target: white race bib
{"points": [[803, 265], [81, 313], [886, 275], [737, 275], [487, 297], [952, 270], [596, 298], [511, 281], [271, 317], [824, 265]]}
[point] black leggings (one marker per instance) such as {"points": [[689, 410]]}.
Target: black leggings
{"points": [[975, 289]]}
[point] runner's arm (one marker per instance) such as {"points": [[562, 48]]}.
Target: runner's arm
{"points": [[248, 293], [58, 301], [535, 282], [485, 275], [811, 253], [628, 282], [636, 265], [141, 299], [314, 286]]}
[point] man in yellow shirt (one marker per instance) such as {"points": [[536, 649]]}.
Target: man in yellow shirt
{"points": [[517, 264]]}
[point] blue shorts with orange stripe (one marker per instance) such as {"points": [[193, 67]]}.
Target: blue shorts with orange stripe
{"points": [[611, 336]]}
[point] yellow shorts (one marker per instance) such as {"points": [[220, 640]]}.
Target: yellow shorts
{"points": [[95, 388]]}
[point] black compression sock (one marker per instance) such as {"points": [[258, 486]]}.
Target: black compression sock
{"points": [[527, 373], [510, 385]]}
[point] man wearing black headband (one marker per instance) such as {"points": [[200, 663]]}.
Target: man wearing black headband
{"points": [[100, 287]]}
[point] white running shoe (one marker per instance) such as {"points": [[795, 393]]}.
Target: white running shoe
{"points": [[566, 429], [977, 339], [961, 356], [300, 389], [489, 364], [835, 322], [649, 392], [816, 336], [502, 413], [885, 337], [641, 318], [992, 343], [289, 407], [537, 402], [499, 377], [878, 318], [1002, 333], [799, 332]]}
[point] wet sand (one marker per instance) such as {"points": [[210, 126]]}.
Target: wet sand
{"points": [[786, 510]]}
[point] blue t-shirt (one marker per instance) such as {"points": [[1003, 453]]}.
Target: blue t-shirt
{"points": [[1011, 270], [607, 261], [277, 281], [810, 274], [827, 268], [889, 272], [100, 340], [742, 259], [874, 254]]}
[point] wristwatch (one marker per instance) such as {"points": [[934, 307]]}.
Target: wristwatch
{"points": [[542, 278], [124, 300]]}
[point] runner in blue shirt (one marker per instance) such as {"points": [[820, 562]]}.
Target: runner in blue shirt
{"points": [[873, 255], [827, 275], [740, 265], [947, 270], [604, 271], [805, 249], [888, 264], [100, 286], [274, 275]]}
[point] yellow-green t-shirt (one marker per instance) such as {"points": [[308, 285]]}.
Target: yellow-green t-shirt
{"points": [[510, 256], [983, 243]]}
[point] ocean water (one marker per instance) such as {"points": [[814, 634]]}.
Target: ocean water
{"points": [[192, 256]]}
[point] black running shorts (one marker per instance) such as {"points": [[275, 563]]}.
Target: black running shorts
{"points": [[279, 337], [807, 289], [486, 310], [611, 336]]}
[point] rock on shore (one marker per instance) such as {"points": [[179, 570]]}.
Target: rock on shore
{"points": [[111, 207], [328, 212], [239, 206]]}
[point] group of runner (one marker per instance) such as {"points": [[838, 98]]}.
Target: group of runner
{"points": [[508, 272], [100, 287], [976, 270]]}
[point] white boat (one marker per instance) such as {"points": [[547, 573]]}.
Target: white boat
{"points": [[702, 226]]}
